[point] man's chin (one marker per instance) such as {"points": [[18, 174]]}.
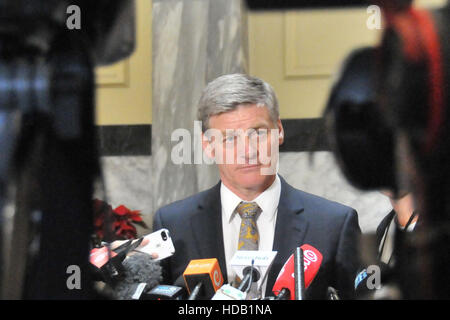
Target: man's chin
{"points": [[252, 178]]}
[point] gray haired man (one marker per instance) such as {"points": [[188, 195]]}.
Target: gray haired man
{"points": [[252, 207]]}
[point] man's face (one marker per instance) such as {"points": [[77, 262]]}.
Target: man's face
{"points": [[248, 150]]}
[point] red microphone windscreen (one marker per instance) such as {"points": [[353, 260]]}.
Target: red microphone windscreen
{"points": [[312, 259]]}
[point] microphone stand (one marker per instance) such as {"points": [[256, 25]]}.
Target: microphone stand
{"points": [[299, 274], [249, 278], [252, 267], [195, 292]]}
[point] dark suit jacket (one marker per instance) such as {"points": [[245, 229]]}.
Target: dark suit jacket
{"points": [[384, 224], [195, 225], [399, 233]]}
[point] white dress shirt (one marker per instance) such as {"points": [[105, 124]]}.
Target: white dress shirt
{"points": [[231, 223]]}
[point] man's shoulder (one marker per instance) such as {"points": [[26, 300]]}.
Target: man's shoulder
{"points": [[321, 202], [317, 204], [325, 217], [192, 202]]}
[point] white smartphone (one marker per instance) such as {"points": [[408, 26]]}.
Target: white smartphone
{"points": [[160, 242]]}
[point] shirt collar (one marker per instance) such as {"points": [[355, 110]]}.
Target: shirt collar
{"points": [[268, 200], [229, 201]]}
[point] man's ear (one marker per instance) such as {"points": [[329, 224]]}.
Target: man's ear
{"points": [[207, 146], [280, 132]]}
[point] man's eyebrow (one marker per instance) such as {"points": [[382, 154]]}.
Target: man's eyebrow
{"points": [[263, 126], [227, 131], [254, 127], [259, 126]]}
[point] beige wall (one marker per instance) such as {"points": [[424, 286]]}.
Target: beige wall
{"points": [[124, 90], [298, 52]]}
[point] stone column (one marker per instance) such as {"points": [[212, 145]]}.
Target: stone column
{"points": [[194, 41]]}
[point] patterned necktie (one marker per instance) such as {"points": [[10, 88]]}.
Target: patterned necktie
{"points": [[248, 234]]}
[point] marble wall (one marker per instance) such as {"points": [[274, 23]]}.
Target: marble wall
{"points": [[194, 41], [128, 181], [319, 174]]}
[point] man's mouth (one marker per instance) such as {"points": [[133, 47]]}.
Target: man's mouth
{"points": [[249, 166]]}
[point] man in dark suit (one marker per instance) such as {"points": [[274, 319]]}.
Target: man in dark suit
{"points": [[241, 124]]}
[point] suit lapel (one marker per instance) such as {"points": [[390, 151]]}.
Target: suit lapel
{"points": [[290, 230], [206, 226]]}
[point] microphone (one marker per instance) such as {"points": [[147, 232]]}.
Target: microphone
{"points": [[260, 260], [128, 246], [284, 287], [332, 294], [377, 282], [141, 274], [165, 292], [228, 292], [250, 275], [251, 266], [107, 264], [176, 291], [203, 278]]}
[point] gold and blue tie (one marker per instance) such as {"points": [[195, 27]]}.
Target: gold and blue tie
{"points": [[248, 234]]}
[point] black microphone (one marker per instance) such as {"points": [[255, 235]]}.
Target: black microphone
{"points": [[228, 292], [371, 279], [332, 294], [128, 246], [141, 274], [176, 291], [106, 265], [165, 292], [250, 275], [179, 282], [285, 294]]}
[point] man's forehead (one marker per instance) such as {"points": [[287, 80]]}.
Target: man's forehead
{"points": [[244, 117]]}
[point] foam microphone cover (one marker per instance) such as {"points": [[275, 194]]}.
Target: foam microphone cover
{"points": [[139, 268]]}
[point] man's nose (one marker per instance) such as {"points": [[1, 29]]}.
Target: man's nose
{"points": [[250, 151]]}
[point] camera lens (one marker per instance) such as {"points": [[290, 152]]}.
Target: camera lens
{"points": [[164, 235]]}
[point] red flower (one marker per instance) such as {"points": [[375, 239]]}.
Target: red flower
{"points": [[122, 210], [121, 220]]}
